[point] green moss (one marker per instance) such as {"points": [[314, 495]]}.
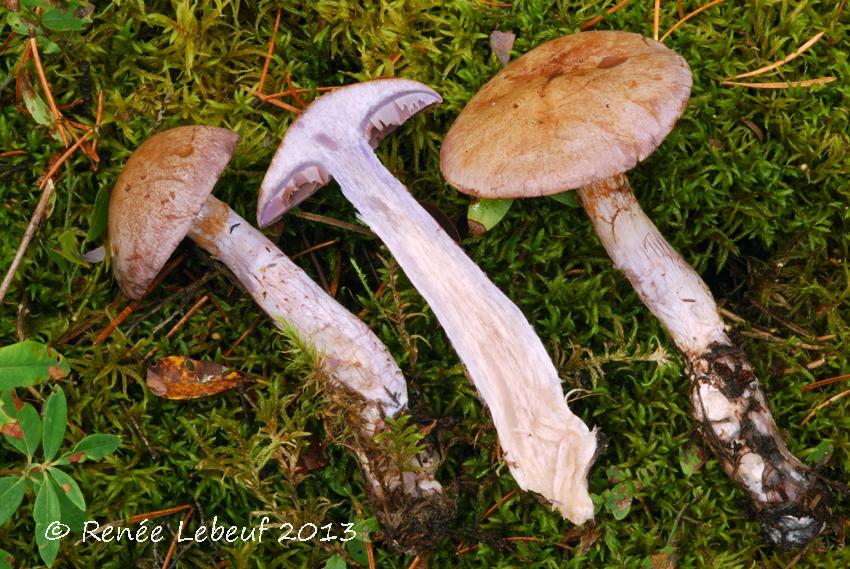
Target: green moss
{"points": [[763, 215]]}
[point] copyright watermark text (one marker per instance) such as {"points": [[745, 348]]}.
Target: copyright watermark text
{"points": [[217, 532]]}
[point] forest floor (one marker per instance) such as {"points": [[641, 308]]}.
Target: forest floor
{"points": [[750, 187]]}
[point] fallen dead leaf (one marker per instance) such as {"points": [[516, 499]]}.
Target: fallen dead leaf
{"points": [[312, 457], [663, 560], [178, 377]]}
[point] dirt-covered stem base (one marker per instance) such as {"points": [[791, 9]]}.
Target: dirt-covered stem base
{"points": [[411, 506], [734, 419]]}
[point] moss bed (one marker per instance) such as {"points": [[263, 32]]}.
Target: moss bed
{"points": [[750, 187]]}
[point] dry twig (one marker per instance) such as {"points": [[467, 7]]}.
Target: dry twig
{"points": [[46, 186]]}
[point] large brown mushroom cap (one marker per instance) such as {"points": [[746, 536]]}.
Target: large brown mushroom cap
{"points": [[573, 111], [160, 191]]}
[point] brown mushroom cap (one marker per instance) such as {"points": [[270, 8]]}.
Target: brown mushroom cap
{"points": [[572, 111], [160, 191]]}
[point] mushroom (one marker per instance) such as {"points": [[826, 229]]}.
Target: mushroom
{"points": [[577, 113], [548, 449], [164, 194]]}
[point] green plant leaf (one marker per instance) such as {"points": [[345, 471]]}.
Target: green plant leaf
{"points": [[29, 363], [483, 215], [93, 447], [619, 500], [357, 550], [46, 511], [690, 459], [819, 455], [5, 418], [567, 198], [333, 562], [11, 493], [68, 487], [30, 424], [71, 515], [55, 421], [6, 559], [69, 249], [64, 20], [99, 216], [357, 546], [12, 431], [50, 47], [18, 24], [35, 104]]}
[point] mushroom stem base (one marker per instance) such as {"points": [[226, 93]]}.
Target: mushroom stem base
{"points": [[727, 401], [357, 366], [412, 509], [734, 419]]}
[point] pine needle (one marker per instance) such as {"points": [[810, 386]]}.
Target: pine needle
{"points": [[782, 61], [593, 21], [781, 84], [656, 19], [826, 403], [696, 12]]}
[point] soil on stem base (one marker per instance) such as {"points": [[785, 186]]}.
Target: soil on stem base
{"points": [[790, 500]]}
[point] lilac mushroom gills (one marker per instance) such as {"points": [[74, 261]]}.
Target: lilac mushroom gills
{"points": [[578, 112], [163, 194], [548, 449]]}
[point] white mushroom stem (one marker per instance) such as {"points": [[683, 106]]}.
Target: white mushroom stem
{"points": [[664, 281], [350, 354], [727, 401], [548, 449]]}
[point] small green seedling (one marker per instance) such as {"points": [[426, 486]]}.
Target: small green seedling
{"points": [[58, 499], [484, 214]]}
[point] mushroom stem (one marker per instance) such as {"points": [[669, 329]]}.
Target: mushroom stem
{"points": [[548, 449], [350, 355], [664, 281], [727, 401]]}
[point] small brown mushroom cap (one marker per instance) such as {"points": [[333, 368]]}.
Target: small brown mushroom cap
{"points": [[160, 191], [574, 110]]}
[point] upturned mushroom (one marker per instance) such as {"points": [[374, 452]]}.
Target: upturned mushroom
{"points": [[578, 112], [164, 194], [548, 449]]}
